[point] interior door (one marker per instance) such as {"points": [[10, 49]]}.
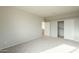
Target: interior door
{"points": [[61, 29]]}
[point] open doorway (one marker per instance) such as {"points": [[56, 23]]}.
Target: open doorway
{"points": [[61, 29], [45, 28]]}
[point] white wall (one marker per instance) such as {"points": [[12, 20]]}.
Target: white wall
{"points": [[71, 28], [76, 38], [53, 28], [68, 28], [18, 26]]}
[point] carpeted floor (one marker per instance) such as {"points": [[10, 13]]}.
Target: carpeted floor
{"points": [[44, 45]]}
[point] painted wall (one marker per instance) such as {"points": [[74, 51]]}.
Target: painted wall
{"points": [[68, 28], [71, 28], [53, 28], [76, 38], [18, 26]]}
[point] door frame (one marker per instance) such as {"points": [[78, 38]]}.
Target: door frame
{"points": [[58, 29]]}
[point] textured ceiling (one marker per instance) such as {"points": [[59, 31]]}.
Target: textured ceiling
{"points": [[47, 11]]}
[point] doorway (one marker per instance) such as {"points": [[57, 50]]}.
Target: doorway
{"points": [[45, 28], [61, 29]]}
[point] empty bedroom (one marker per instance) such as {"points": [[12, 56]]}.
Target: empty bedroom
{"points": [[39, 29]]}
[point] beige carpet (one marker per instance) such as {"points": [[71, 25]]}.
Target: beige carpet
{"points": [[44, 45]]}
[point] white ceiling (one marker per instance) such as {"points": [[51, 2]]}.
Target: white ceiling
{"points": [[47, 11]]}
